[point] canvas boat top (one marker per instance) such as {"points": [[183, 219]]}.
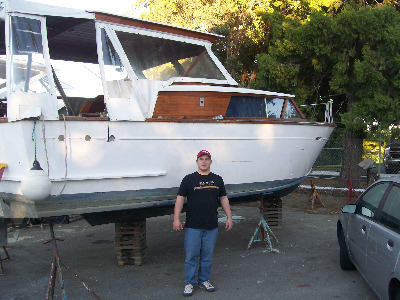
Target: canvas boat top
{"points": [[131, 66]]}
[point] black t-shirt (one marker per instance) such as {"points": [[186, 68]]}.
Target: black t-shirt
{"points": [[202, 193]]}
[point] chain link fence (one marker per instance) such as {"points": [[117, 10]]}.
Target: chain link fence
{"points": [[383, 147], [389, 154], [330, 158]]}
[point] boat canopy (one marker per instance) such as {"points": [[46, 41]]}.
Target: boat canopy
{"points": [[67, 62], [51, 51], [38, 9]]}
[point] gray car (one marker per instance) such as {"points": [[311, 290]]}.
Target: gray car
{"points": [[392, 158], [369, 237]]}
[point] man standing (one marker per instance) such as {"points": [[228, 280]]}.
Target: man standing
{"points": [[202, 189]]}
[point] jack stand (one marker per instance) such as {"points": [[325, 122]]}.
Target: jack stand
{"points": [[315, 196], [352, 194], [56, 268], [263, 232]]}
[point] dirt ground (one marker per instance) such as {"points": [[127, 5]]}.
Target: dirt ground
{"points": [[331, 195]]}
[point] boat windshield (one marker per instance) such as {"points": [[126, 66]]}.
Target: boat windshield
{"points": [[156, 58]]}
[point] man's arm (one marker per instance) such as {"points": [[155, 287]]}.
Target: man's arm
{"points": [[177, 225], [227, 209]]}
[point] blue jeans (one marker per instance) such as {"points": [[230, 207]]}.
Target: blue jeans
{"points": [[199, 243]]}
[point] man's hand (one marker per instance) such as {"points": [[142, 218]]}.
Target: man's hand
{"points": [[177, 226], [227, 209], [228, 224]]}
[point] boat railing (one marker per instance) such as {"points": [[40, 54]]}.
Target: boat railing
{"points": [[328, 110]]}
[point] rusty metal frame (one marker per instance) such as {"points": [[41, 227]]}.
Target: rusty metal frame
{"points": [[56, 268], [1, 261]]}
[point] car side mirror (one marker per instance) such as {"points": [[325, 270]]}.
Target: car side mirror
{"points": [[349, 208]]}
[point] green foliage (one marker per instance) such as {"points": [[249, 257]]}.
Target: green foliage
{"points": [[336, 140], [352, 57]]}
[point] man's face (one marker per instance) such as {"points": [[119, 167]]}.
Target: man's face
{"points": [[204, 163]]}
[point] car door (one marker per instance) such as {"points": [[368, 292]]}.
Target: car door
{"points": [[360, 222], [383, 244]]}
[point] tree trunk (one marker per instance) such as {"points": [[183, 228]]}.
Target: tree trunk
{"points": [[352, 156]]}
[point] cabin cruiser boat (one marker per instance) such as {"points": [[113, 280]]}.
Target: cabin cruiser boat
{"points": [[115, 110]]}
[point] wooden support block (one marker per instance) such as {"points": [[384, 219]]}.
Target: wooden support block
{"points": [[272, 212], [130, 243]]}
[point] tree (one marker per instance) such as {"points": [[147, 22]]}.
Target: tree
{"points": [[352, 57]]}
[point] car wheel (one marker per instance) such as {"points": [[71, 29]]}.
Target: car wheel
{"points": [[397, 296], [345, 262]]}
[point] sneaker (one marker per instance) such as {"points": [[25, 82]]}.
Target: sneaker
{"points": [[207, 286], [188, 290]]}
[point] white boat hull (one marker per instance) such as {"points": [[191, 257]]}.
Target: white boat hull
{"points": [[103, 166]]}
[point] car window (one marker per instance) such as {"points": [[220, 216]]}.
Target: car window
{"points": [[391, 210], [369, 202]]}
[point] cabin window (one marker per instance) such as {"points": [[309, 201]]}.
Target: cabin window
{"points": [[291, 111], [161, 59], [246, 107], [256, 107], [28, 71], [274, 107]]}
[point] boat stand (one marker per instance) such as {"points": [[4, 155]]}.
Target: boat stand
{"points": [[56, 268], [315, 196], [263, 232]]}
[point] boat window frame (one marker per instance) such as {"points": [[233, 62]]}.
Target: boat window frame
{"points": [[145, 109], [49, 110], [295, 105], [170, 36]]}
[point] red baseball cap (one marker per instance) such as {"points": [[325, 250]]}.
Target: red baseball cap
{"points": [[202, 152]]}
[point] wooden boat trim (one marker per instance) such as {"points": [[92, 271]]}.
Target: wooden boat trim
{"points": [[240, 120], [156, 26]]}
